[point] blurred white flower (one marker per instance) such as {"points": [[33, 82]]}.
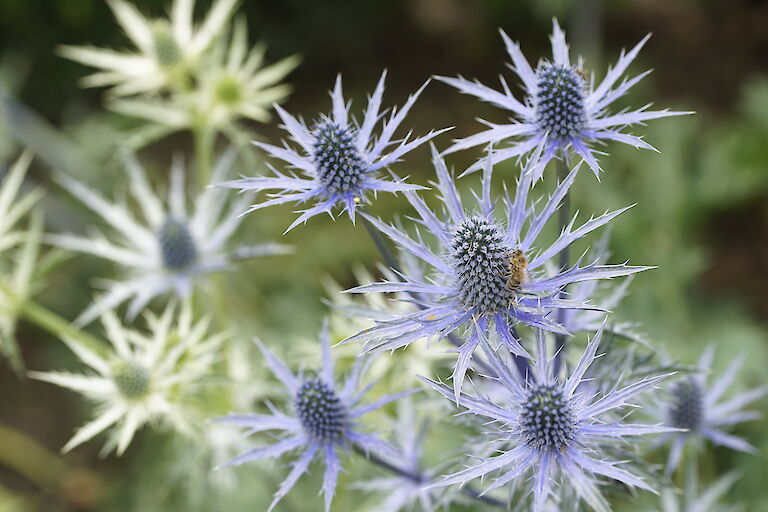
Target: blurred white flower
{"points": [[232, 82], [166, 50], [143, 377], [170, 250]]}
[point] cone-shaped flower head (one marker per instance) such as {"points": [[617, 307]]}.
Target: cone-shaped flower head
{"points": [[490, 270], [550, 430], [561, 104], [340, 161], [699, 408], [165, 249], [324, 421]]}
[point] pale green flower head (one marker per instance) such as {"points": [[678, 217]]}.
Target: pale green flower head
{"points": [[143, 376], [232, 82], [165, 53]]}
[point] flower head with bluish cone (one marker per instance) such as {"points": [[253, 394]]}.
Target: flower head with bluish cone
{"points": [[340, 160], [145, 376], [700, 410], [166, 50], [490, 271], [561, 105], [167, 249], [324, 421], [548, 429]]}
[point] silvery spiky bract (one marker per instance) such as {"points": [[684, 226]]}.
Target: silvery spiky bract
{"points": [[165, 50], [165, 249], [468, 285], [324, 420], [699, 408], [143, 377], [548, 429], [341, 161], [561, 105]]}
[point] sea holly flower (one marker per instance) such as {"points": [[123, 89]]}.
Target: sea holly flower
{"points": [[144, 377], [548, 429], [340, 160], [489, 270], [561, 104], [324, 421], [14, 206], [165, 50], [167, 249], [700, 410]]}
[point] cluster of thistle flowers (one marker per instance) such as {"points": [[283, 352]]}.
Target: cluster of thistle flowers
{"points": [[485, 282]]}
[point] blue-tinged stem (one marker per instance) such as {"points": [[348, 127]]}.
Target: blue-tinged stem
{"points": [[422, 478], [564, 218]]}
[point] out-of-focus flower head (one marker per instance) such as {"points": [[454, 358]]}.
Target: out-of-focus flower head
{"points": [[167, 249], [166, 51], [232, 83], [548, 429], [324, 421], [562, 106], [490, 272], [143, 377], [700, 409], [340, 160]]}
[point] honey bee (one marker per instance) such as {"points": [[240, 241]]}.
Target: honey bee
{"points": [[517, 267], [582, 74]]}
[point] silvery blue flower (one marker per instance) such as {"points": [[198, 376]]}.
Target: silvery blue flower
{"points": [[324, 421], [698, 408], [471, 283], [548, 429], [340, 160], [561, 104], [166, 249]]}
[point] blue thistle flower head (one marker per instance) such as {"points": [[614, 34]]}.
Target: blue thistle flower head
{"points": [[324, 421], [701, 411], [562, 105], [339, 160], [489, 272], [551, 429]]}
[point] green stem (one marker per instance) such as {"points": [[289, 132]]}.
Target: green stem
{"points": [[50, 321], [204, 139]]}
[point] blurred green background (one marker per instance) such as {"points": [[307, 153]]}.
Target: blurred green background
{"points": [[701, 215]]}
